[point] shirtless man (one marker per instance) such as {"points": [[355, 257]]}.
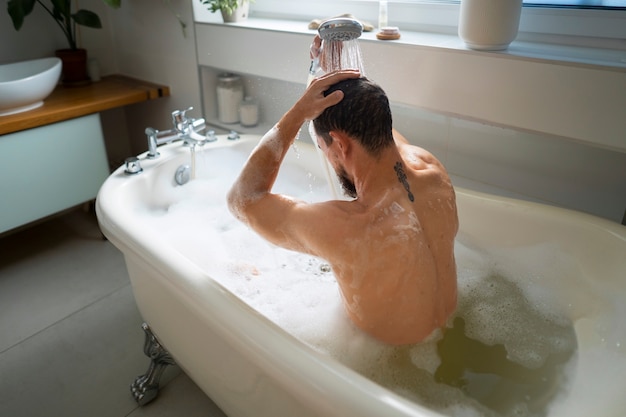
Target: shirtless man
{"points": [[391, 249]]}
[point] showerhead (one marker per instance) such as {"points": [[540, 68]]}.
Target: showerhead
{"points": [[340, 29]]}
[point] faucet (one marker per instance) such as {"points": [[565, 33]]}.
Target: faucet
{"points": [[184, 129]]}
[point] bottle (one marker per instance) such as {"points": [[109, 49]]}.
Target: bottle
{"points": [[249, 112], [382, 14], [229, 95]]}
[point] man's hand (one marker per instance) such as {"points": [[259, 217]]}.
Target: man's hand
{"points": [[316, 47], [313, 102]]}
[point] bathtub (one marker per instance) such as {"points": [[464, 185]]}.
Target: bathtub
{"points": [[250, 366]]}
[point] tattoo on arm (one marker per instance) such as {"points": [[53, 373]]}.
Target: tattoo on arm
{"points": [[402, 178]]}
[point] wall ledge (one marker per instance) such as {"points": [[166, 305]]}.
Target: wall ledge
{"points": [[597, 58], [573, 92]]}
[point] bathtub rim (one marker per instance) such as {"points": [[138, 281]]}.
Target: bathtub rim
{"points": [[555, 212]]}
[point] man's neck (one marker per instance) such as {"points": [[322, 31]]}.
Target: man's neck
{"points": [[372, 175]]}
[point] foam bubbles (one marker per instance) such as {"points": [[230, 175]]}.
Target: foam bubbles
{"points": [[511, 301]]}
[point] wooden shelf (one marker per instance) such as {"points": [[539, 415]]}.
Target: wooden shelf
{"points": [[69, 102]]}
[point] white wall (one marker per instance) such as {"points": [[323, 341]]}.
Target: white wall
{"points": [[39, 37], [142, 39], [536, 139], [150, 44]]}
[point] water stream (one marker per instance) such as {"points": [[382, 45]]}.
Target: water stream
{"points": [[338, 55], [334, 55]]}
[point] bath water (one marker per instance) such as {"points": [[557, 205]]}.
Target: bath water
{"points": [[505, 353]]}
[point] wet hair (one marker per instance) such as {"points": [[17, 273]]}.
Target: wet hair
{"points": [[363, 114]]}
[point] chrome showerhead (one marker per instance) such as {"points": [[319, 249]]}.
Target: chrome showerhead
{"points": [[340, 29]]}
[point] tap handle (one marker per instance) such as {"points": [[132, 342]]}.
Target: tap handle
{"points": [[198, 124], [179, 119]]}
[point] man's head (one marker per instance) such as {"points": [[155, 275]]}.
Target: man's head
{"points": [[363, 114]]}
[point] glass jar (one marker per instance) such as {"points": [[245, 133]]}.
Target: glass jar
{"points": [[249, 112], [229, 95]]}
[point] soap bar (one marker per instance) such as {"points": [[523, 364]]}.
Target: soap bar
{"points": [[388, 33]]}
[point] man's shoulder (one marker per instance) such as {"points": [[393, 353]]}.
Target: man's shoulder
{"points": [[421, 153], [421, 161]]}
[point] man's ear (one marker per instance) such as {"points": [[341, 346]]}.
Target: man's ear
{"points": [[342, 142]]}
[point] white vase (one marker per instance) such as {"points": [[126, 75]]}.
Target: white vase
{"points": [[489, 25], [239, 14]]}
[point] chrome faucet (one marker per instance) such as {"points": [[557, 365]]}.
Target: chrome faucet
{"points": [[185, 129]]}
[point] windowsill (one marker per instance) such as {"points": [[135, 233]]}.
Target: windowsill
{"points": [[609, 59]]}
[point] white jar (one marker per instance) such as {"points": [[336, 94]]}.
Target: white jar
{"points": [[229, 95], [489, 25], [249, 112]]}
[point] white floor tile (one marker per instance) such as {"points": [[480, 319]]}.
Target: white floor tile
{"points": [[81, 366]]}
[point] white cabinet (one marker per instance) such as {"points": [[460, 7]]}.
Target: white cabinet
{"points": [[48, 169]]}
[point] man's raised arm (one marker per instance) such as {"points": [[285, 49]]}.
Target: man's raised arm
{"points": [[250, 198]]}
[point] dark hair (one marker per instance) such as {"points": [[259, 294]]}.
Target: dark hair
{"points": [[364, 114]]}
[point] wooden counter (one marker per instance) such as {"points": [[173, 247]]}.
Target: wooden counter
{"points": [[69, 102]]}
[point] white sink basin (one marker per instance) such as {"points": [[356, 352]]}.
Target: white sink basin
{"points": [[24, 85]]}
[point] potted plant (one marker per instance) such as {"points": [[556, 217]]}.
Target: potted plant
{"points": [[232, 10], [74, 58]]}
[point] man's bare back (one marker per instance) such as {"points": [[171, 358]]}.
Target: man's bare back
{"points": [[391, 248]]}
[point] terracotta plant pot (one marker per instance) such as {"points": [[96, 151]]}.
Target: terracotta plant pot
{"points": [[74, 66]]}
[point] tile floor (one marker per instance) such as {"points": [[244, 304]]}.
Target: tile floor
{"points": [[70, 336]]}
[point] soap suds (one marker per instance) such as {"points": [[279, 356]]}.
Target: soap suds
{"points": [[509, 297]]}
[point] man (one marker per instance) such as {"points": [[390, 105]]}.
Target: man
{"points": [[392, 247]]}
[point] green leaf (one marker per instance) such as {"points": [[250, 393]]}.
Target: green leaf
{"points": [[18, 10], [114, 3], [87, 18], [226, 5], [61, 7]]}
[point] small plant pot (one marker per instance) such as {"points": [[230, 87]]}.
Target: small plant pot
{"points": [[74, 71], [239, 14]]}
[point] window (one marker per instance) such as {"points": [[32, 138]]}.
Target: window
{"points": [[574, 4], [580, 4], [595, 23]]}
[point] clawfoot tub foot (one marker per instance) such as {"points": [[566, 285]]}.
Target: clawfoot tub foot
{"points": [[145, 388]]}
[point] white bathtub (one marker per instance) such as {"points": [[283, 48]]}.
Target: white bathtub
{"points": [[251, 367]]}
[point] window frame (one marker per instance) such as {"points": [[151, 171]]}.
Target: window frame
{"points": [[602, 28]]}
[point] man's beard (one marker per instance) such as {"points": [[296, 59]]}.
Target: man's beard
{"points": [[348, 186]]}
